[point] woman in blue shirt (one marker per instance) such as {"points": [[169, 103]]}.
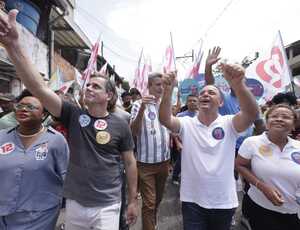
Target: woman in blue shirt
{"points": [[33, 162]]}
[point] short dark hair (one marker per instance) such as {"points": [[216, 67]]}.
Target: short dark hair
{"points": [[109, 85], [274, 107], [27, 93], [109, 88], [287, 98], [24, 93], [125, 94], [135, 91]]}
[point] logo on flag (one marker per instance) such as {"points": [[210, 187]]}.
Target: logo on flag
{"points": [[271, 70]]}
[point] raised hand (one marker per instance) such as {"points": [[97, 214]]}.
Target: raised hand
{"points": [[169, 80], [8, 28], [213, 56], [233, 73], [148, 99]]}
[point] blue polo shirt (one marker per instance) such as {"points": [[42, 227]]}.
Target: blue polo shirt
{"points": [[231, 106], [32, 178]]}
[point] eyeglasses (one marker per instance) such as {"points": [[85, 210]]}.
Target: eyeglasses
{"points": [[27, 107]]}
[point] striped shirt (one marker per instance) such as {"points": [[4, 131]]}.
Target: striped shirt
{"points": [[153, 140]]}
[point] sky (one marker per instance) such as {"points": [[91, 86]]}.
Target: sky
{"points": [[239, 27]]}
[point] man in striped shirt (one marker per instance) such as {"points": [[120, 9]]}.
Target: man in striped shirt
{"points": [[153, 152]]}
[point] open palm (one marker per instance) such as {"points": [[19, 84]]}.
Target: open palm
{"points": [[213, 56]]}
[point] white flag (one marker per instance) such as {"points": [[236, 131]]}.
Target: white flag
{"points": [[169, 60], [270, 73]]}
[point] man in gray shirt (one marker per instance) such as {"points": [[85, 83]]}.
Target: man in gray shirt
{"points": [[97, 140]]}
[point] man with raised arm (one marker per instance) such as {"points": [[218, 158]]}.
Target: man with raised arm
{"points": [[207, 190], [153, 153], [97, 141]]}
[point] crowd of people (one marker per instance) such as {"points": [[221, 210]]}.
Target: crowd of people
{"points": [[100, 157]]}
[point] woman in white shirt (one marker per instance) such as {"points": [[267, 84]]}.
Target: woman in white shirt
{"points": [[271, 164]]}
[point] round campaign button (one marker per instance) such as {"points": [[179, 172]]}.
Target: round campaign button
{"points": [[100, 124], [265, 150], [296, 157], [218, 133], [102, 137], [7, 148], [151, 115], [84, 120]]}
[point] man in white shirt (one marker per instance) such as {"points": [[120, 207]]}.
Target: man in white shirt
{"points": [[207, 190]]}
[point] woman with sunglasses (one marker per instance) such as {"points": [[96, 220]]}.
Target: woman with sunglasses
{"points": [[271, 164], [33, 162]]}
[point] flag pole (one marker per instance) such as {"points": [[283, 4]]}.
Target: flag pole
{"points": [[172, 46], [286, 60]]}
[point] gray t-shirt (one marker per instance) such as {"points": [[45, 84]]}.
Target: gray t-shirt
{"points": [[93, 178]]}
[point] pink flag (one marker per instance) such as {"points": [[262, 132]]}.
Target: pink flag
{"points": [[92, 65], [270, 71], [103, 70], [65, 86], [137, 74], [196, 65], [141, 73], [169, 60], [147, 68]]}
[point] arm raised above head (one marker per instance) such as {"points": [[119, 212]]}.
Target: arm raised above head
{"points": [[212, 58], [235, 75], [165, 108], [26, 71]]}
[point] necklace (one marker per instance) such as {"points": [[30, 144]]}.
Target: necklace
{"points": [[32, 135]]}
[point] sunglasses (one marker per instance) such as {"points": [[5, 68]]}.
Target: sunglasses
{"points": [[27, 107]]}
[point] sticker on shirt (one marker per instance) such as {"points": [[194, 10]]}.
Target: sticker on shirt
{"points": [[151, 115], [296, 157], [7, 148], [218, 133], [102, 137], [100, 124], [41, 152], [84, 120], [265, 150]]}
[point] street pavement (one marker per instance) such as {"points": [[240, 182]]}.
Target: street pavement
{"points": [[169, 216]]}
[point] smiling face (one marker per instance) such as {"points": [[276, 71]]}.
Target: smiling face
{"points": [[29, 110], [96, 92], [155, 85], [210, 98], [281, 120]]}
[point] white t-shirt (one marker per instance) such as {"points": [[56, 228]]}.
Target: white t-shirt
{"points": [[207, 177], [275, 168]]}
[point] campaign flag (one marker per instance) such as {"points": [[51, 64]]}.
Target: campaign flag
{"points": [[142, 71], [103, 70], [56, 80], [66, 86], [270, 73], [194, 71], [147, 68], [169, 60], [138, 70], [92, 65]]}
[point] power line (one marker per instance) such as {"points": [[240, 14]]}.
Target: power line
{"points": [[214, 22], [100, 26]]}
